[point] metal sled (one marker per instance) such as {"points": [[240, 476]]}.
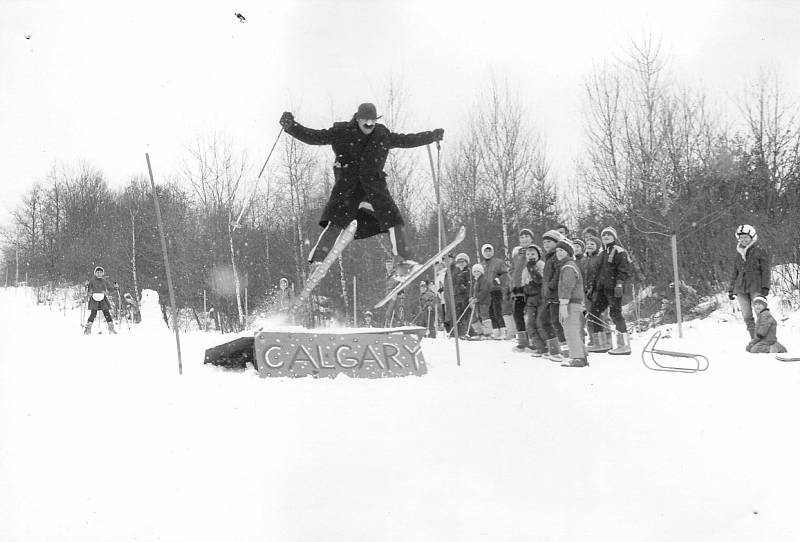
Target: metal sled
{"points": [[656, 359]]}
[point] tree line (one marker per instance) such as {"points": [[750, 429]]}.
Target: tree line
{"points": [[658, 159]]}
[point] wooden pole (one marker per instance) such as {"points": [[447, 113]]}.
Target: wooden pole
{"points": [[166, 265], [448, 275], [675, 279], [355, 304], [246, 312]]}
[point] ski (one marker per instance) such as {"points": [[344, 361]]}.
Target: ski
{"points": [[402, 285], [321, 270], [787, 357]]}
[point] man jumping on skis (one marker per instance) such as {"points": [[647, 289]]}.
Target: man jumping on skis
{"points": [[360, 191]]}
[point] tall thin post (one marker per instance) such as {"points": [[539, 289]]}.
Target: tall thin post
{"points": [[355, 304], [451, 300], [166, 264], [16, 278], [675, 279], [246, 312]]}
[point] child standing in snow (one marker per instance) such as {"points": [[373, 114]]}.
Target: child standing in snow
{"points": [[531, 279], [751, 274], [98, 289], [481, 300], [765, 340], [570, 307]]}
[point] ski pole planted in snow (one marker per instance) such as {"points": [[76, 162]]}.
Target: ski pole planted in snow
{"points": [[166, 264]]}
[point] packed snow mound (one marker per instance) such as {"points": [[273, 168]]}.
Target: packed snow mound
{"points": [[103, 440]]}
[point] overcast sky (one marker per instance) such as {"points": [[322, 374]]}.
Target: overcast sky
{"points": [[105, 82]]}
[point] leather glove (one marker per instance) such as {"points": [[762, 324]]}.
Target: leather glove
{"points": [[618, 290], [438, 134], [731, 296], [287, 120], [764, 292], [563, 313]]}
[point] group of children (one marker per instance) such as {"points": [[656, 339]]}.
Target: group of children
{"points": [[543, 293]]}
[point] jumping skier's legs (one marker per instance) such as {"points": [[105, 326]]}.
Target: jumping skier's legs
{"points": [[325, 243], [397, 235]]}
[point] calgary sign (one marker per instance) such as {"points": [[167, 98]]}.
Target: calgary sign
{"points": [[362, 354]]}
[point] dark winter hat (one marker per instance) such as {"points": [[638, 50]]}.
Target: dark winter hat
{"points": [[745, 229], [537, 248], [367, 111], [590, 231], [98, 268], [525, 231], [610, 230], [565, 245], [553, 235], [579, 242]]}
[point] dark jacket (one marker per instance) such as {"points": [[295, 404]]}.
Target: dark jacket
{"points": [[518, 263], [493, 269], [751, 273], [462, 282], [614, 267], [593, 264], [550, 277], [482, 287], [533, 287], [358, 173], [98, 286]]}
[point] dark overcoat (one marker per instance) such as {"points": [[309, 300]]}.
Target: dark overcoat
{"points": [[751, 272], [358, 173]]}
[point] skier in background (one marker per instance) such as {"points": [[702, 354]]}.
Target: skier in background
{"points": [[98, 289], [360, 191]]}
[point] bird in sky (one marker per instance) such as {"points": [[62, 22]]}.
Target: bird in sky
{"points": [[241, 18]]}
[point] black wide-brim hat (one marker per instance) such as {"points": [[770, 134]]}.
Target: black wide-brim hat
{"points": [[367, 111]]}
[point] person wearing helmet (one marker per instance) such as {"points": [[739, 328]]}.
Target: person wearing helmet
{"points": [[751, 274], [97, 290]]}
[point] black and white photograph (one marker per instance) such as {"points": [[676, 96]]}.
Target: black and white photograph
{"points": [[399, 270]]}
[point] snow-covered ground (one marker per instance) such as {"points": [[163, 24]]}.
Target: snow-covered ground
{"points": [[102, 440]]}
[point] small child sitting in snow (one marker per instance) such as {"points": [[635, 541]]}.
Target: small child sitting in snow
{"points": [[766, 340]]}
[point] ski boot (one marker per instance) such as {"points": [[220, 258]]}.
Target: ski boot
{"points": [[111, 329], [403, 268], [87, 328]]}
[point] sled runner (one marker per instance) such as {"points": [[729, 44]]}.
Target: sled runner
{"points": [[656, 359], [787, 357], [408, 279]]}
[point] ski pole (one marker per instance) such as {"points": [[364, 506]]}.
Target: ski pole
{"points": [[459, 319], [255, 184]]}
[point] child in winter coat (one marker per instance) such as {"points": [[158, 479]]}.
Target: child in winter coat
{"points": [[609, 286], [751, 274], [462, 283], [493, 269], [547, 317], [428, 303], [518, 299], [531, 277], [481, 299], [98, 290], [766, 339], [570, 307]]}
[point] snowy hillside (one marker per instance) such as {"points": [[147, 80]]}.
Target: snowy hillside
{"points": [[101, 440]]}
